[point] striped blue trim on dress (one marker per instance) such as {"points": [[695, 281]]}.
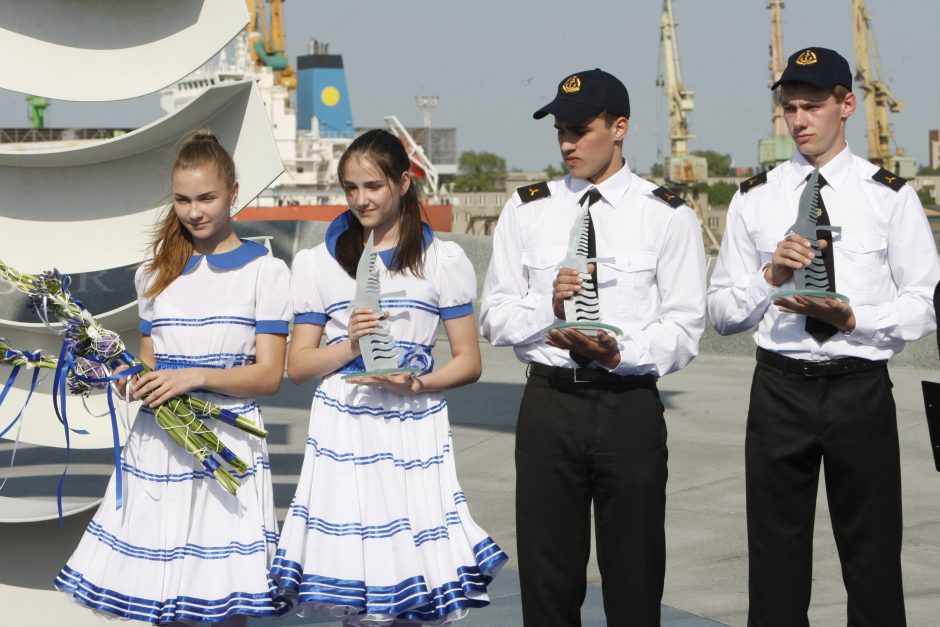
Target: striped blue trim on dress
{"points": [[390, 303], [180, 477], [365, 460], [311, 317], [173, 361], [268, 603], [372, 532], [271, 537], [381, 412], [409, 303], [277, 327], [457, 311], [145, 326], [339, 305], [408, 600], [197, 551], [202, 322]]}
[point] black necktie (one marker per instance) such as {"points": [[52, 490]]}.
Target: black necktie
{"points": [[820, 330], [593, 196]]}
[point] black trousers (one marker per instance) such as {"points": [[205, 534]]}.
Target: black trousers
{"points": [[849, 422], [577, 445]]}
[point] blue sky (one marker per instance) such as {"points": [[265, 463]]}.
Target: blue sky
{"points": [[493, 63]]}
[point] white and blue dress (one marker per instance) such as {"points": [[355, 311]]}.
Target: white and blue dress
{"points": [[183, 548], [379, 528]]}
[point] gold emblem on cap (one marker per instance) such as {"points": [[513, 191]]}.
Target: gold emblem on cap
{"points": [[808, 57], [818, 212], [572, 85]]}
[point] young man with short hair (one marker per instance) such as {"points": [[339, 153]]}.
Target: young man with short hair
{"points": [[591, 427], [821, 389]]}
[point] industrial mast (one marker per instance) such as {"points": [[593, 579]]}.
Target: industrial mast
{"points": [[878, 98], [682, 170], [779, 146], [266, 45]]}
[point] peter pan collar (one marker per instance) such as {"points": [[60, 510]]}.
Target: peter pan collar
{"points": [[343, 221], [236, 258]]}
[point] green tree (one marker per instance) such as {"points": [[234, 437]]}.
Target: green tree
{"points": [[479, 172], [926, 169], [926, 198], [720, 192], [656, 170], [556, 172], [718, 164]]}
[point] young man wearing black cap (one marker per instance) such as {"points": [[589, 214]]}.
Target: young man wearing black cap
{"points": [[821, 388], [591, 427]]}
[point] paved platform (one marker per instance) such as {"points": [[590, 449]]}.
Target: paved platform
{"points": [[706, 575]]}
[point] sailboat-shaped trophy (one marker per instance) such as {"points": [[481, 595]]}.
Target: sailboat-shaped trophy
{"points": [[583, 309], [380, 353]]}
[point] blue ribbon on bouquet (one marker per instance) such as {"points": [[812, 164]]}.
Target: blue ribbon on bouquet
{"points": [[12, 378], [65, 367], [128, 360]]}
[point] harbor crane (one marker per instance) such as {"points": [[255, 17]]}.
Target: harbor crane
{"points": [[681, 169], [421, 165], [878, 99], [267, 44], [779, 146]]}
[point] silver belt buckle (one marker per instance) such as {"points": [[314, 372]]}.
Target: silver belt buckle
{"points": [[575, 378]]}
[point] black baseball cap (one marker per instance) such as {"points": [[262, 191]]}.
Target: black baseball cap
{"points": [[583, 95], [821, 67]]}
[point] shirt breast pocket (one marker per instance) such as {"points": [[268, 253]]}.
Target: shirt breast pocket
{"points": [[861, 263], [626, 283], [541, 265], [766, 245]]}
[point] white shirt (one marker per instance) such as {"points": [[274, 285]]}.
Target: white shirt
{"points": [[654, 290], [885, 262]]}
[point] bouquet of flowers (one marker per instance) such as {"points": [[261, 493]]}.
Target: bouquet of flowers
{"points": [[88, 359]]}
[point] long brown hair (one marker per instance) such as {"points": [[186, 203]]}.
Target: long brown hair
{"points": [[387, 153], [172, 244]]}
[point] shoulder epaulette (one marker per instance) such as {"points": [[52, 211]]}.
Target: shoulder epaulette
{"points": [[528, 193], [890, 179], [668, 196], [754, 181]]}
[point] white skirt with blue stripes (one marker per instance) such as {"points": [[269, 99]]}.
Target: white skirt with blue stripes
{"points": [[379, 529], [181, 548]]}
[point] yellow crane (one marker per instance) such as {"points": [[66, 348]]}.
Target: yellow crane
{"points": [[681, 169], [779, 146], [267, 45], [878, 99]]}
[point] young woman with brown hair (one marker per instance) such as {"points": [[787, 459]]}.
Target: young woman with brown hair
{"points": [[214, 315], [379, 529]]}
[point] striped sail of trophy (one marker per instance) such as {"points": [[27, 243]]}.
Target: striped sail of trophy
{"points": [[583, 309], [380, 352], [812, 281]]}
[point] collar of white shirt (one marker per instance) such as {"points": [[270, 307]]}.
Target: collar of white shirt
{"points": [[612, 189], [834, 172]]}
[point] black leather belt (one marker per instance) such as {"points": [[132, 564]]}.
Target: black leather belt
{"points": [[828, 368], [590, 377]]}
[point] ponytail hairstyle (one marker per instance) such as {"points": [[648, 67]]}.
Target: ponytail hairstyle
{"points": [[386, 152], [172, 244]]}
